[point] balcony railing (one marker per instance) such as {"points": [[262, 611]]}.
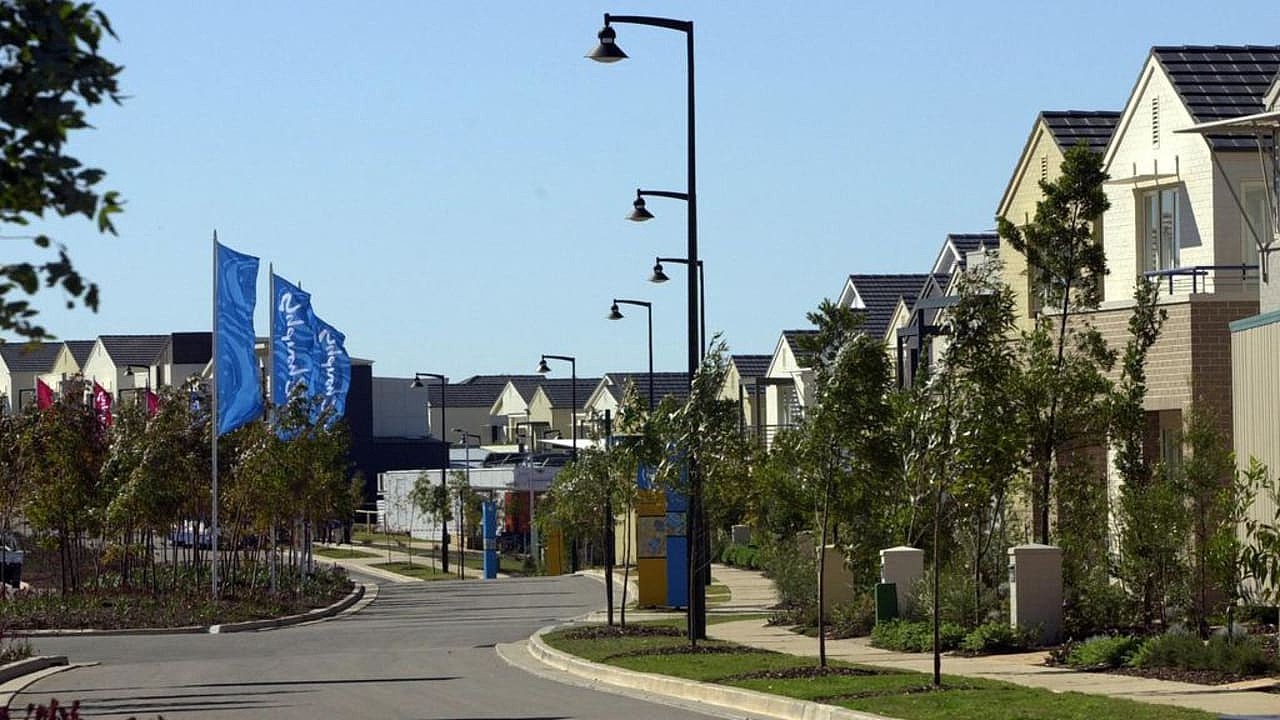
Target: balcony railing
{"points": [[764, 434], [1205, 278]]}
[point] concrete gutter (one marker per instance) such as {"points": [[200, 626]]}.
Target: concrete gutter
{"points": [[15, 670], [721, 696], [352, 598]]}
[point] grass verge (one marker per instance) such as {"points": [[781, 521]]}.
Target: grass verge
{"points": [[342, 553], [422, 572], [660, 648]]}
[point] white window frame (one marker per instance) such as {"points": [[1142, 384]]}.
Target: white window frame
{"points": [[1248, 245], [1153, 249]]}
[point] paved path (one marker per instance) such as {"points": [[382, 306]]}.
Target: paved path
{"points": [[382, 555], [420, 650], [1022, 669]]}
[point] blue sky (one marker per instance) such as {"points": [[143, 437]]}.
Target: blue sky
{"points": [[450, 180]]}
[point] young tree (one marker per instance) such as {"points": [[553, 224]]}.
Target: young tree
{"points": [[1067, 265], [432, 500], [841, 442], [51, 74], [982, 376]]}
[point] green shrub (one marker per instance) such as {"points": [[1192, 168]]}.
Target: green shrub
{"points": [[743, 556], [955, 588], [795, 575], [907, 636], [1103, 651], [853, 619], [1237, 655], [994, 638]]}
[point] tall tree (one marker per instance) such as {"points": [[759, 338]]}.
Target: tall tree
{"points": [[1067, 265], [51, 73]]}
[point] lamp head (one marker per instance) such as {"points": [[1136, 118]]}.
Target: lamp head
{"points": [[417, 382], [607, 51], [658, 275], [639, 213], [614, 313], [543, 368], [128, 371]]}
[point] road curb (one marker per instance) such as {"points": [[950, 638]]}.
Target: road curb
{"points": [[721, 696], [249, 625], [15, 670]]}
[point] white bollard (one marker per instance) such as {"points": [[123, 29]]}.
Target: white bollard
{"points": [[903, 566], [1035, 590]]}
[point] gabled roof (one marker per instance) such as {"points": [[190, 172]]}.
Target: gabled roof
{"points": [[879, 295], [751, 366], [791, 338], [30, 357], [134, 349], [675, 384], [972, 242], [467, 394], [1069, 128], [1218, 82], [560, 391], [956, 248], [80, 349]]}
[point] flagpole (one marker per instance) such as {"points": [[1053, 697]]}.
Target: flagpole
{"points": [[270, 382], [213, 426]]}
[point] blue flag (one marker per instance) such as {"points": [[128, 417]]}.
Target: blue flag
{"points": [[239, 389], [331, 376], [293, 347]]}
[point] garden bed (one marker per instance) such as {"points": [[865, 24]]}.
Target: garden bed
{"points": [[182, 604]]}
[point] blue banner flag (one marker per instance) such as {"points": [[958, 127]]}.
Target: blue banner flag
{"points": [[239, 389], [293, 347], [331, 374]]}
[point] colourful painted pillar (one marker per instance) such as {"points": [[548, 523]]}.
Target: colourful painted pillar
{"points": [[676, 525], [651, 548], [489, 526], [555, 557]]}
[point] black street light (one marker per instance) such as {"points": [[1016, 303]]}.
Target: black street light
{"points": [[659, 276], [614, 314], [444, 526], [543, 368], [444, 404], [608, 52], [640, 213]]}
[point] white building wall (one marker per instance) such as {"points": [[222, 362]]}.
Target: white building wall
{"points": [[1134, 153]]}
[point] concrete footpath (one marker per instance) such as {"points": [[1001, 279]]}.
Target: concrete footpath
{"points": [[751, 590]]}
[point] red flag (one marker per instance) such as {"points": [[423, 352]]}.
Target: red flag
{"points": [[153, 404], [102, 405], [44, 395]]}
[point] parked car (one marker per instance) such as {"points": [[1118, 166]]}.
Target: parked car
{"points": [[10, 560]]}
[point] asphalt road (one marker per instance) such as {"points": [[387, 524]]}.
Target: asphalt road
{"points": [[421, 650]]}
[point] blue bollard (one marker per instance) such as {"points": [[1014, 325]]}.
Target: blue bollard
{"points": [[489, 525]]}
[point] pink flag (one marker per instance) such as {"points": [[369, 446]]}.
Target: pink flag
{"points": [[153, 404], [44, 395], [102, 405]]}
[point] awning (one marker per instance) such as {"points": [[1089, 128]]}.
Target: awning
{"points": [[1245, 124]]}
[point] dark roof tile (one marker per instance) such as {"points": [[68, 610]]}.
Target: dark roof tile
{"points": [[134, 349], [752, 366], [560, 391], [30, 357], [1069, 128], [1217, 82], [674, 384], [80, 349], [880, 295]]}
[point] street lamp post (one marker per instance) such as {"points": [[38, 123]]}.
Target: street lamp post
{"points": [[608, 52], [614, 314], [543, 368], [659, 276], [444, 404], [462, 499]]}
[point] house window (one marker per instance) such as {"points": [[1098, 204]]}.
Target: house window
{"points": [[1257, 219], [1155, 121], [1160, 229], [26, 399]]}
